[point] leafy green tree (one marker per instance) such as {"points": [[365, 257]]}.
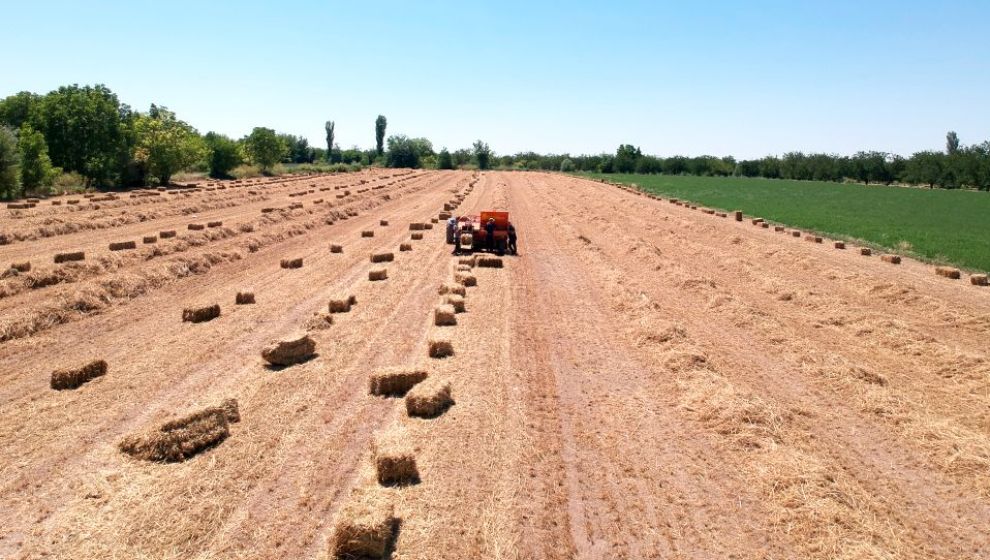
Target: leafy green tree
{"points": [[36, 166], [567, 165], [482, 154], [444, 161], [925, 168], [19, 109], [402, 152], [83, 127], [166, 144], [265, 148], [951, 142], [626, 157], [380, 124], [329, 126], [223, 155], [10, 163]]}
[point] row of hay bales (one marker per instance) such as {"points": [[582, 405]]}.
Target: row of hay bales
{"points": [[975, 279]]}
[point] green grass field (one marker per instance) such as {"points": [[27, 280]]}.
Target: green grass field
{"points": [[942, 226]]}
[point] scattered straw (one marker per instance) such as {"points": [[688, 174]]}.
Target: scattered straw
{"points": [[180, 439]]}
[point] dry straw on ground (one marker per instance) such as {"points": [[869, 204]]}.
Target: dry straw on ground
{"points": [[429, 399], [451, 288], [180, 439], [74, 378], [201, 314], [382, 257], [319, 321], [440, 346], [444, 316], [395, 381], [244, 297], [292, 263], [455, 301], [290, 350], [394, 457], [364, 527], [335, 248], [490, 262], [378, 273]]}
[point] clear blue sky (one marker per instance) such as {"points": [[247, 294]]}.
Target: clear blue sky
{"points": [[746, 78]]}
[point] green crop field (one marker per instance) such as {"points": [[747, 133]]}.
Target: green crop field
{"points": [[943, 226]]}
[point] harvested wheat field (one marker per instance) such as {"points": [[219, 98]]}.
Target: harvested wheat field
{"points": [[646, 380]]}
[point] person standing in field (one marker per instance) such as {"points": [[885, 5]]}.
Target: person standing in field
{"points": [[512, 240], [490, 234], [451, 229]]}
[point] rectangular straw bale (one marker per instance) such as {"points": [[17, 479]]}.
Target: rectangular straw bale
{"points": [[67, 257], [364, 527], [452, 288], [778, 229], [167, 234], [416, 226], [367, 233], [892, 259], [948, 272], [148, 239], [382, 257], [21, 267], [490, 262], [455, 301], [291, 263], [201, 314], [427, 226], [463, 268], [340, 305], [122, 245], [378, 273], [444, 315], [865, 251], [405, 247], [440, 346], [180, 439], [74, 378], [196, 227], [469, 261], [978, 279], [395, 381], [383, 222], [416, 236], [394, 457], [244, 297], [429, 399], [465, 279], [795, 234], [444, 215], [738, 215], [214, 224], [336, 248], [839, 245]]}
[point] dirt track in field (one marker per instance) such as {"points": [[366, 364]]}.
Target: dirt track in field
{"points": [[643, 381]]}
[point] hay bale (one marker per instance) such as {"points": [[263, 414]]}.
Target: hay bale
{"points": [[167, 234], [378, 273], [405, 246], [291, 350], [149, 239], [795, 234], [416, 226], [444, 315], [123, 245], [892, 259], [433, 221], [468, 261], [319, 321], [427, 226], [465, 279], [340, 305], [367, 233], [21, 267], [292, 263], [68, 257], [444, 215], [244, 297], [839, 245], [201, 314], [778, 229], [490, 262], [196, 227], [180, 439], [383, 222], [395, 381], [364, 527], [429, 399], [757, 221], [948, 272], [416, 236], [335, 248], [352, 299], [231, 411], [978, 279], [865, 251], [738, 215], [74, 378], [382, 257], [452, 288], [455, 301], [440, 346], [462, 268], [394, 457], [214, 224]]}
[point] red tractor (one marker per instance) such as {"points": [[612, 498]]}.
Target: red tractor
{"points": [[473, 233]]}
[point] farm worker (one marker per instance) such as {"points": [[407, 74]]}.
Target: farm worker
{"points": [[512, 239], [451, 229], [490, 233]]}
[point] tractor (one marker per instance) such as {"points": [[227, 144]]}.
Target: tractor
{"points": [[474, 237]]}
